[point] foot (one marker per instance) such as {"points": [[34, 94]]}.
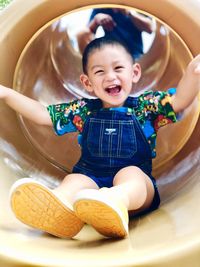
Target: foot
{"points": [[107, 215], [37, 206]]}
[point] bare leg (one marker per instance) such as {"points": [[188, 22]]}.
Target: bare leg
{"points": [[72, 184], [104, 209], [134, 188]]}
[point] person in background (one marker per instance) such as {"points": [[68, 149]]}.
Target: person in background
{"points": [[117, 23]]}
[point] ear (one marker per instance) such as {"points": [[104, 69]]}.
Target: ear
{"points": [[86, 83], [136, 72]]}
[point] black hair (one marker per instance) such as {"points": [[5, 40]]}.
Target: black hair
{"points": [[98, 43]]}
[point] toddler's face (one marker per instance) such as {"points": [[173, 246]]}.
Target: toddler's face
{"points": [[111, 74]]}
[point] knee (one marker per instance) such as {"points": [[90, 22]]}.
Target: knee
{"points": [[132, 176], [130, 172], [132, 182], [131, 169]]}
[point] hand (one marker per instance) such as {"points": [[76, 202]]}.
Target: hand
{"points": [[192, 73], [188, 87], [106, 21], [3, 92], [195, 64]]}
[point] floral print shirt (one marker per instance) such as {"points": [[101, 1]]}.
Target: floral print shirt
{"points": [[152, 109]]}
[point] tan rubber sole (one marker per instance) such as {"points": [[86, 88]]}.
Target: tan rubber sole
{"points": [[101, 216], [38, 207]]}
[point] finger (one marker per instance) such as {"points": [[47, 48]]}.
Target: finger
{"points": [[108, 25], [197, 69]]}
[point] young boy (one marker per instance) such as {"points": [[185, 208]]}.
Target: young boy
{"points": [[117, 136]]}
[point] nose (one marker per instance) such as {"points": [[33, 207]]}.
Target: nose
{"points": [[110, 76]]}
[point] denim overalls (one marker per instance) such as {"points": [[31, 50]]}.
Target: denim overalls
{"points": [[111, 140]]}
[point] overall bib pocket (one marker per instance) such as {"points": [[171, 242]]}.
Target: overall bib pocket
{"points": [[111, 138]]}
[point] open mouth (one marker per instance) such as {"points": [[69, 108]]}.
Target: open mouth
{"points": [[113, 90]]}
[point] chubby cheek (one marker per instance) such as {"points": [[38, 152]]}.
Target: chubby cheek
{"points": [[98, 93], [97, 86], [97, 82]]}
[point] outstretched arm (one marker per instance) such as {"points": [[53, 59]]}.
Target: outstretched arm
{"points": [[188, 87], [27, 107], [142, 22]]}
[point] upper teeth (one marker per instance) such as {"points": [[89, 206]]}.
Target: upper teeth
{"points": [[112, 86]]}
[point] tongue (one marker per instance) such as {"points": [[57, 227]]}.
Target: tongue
{"points": [[113, 90]]}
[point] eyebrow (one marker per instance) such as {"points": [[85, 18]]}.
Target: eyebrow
{"points": [[96, 66], [100, 66]]}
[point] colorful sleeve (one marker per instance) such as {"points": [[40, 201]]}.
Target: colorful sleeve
{"points": [[158, 108], [68, 117]]}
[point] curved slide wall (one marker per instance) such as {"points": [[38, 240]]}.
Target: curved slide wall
{"points": [[167, 237]]}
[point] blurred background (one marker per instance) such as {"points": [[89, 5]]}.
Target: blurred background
{"points": [[4, 3]]}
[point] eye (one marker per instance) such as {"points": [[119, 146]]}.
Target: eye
{"points": [[98, 72], [120, 67]]}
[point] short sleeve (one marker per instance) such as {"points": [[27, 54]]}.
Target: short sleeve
{"points": [[157, 107], [69, 117]]}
